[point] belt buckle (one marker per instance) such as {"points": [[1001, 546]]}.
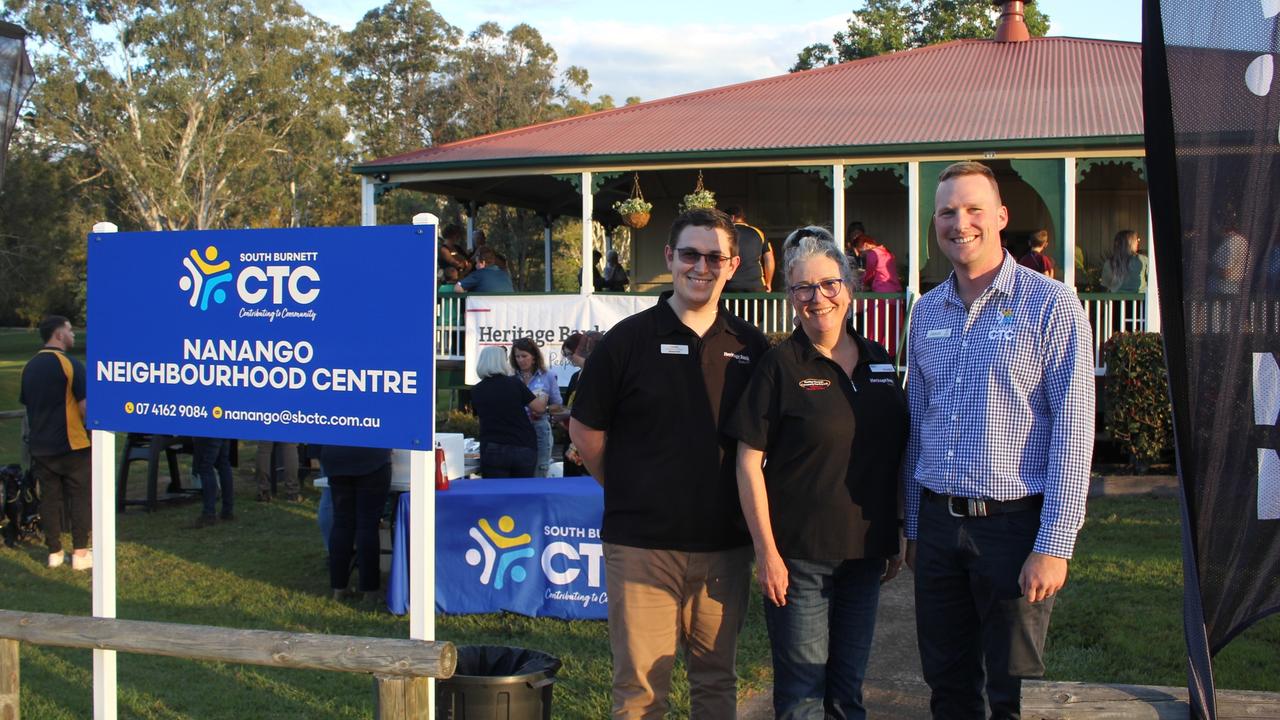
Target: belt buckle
{"points": [[973, 507]]}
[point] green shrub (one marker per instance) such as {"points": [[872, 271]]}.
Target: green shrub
{"points": [[1138, 416], [458, 421]]}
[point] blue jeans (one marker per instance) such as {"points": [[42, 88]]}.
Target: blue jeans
{"points": [[507, 461], [358, 502], [542, 429], [821, 639], [213, 465]]}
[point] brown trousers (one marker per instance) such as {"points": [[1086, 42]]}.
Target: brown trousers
{"points": [[660, 600]]}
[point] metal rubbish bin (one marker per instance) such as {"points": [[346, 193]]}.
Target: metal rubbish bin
{"points": [[498, 683]]}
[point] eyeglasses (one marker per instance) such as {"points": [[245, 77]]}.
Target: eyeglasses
{"points": [[806, 293], [689, 256]]}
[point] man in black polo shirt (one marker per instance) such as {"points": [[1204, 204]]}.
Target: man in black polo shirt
{"points": [[646, 420], [53, 393], [755, 274]]}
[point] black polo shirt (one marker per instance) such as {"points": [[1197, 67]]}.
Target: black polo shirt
{"points": [[752, 248], [53, 384], [661, 392], [832, 446], [499, 402]]}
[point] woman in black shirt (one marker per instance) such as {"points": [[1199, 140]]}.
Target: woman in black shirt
{"points": [[508, 445], [826, 409]]}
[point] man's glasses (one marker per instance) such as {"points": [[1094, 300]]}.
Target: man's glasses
{"points": [[689, 256], [806, 293]]}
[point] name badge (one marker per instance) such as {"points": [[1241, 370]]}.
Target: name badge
{"points": [[882, 367], [675, 349], [939, 333]]}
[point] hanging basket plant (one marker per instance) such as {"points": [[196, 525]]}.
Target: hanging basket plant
{"points": [[635, 209], [700, 199]]}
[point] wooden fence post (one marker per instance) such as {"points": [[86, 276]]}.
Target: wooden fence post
{"points": [[9, 679], [401, 698]]}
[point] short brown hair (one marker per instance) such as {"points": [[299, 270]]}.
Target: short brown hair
{"points": [[1039, 239], [968, 167], [486, 255], [707, 218]]}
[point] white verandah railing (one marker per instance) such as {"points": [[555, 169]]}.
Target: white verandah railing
{"points": [[880, 316]]}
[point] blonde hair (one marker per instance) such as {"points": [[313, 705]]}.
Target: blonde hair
{"points": [[492, 362]]}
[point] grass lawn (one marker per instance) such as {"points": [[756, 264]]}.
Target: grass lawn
{"points": [[1118, 620]]}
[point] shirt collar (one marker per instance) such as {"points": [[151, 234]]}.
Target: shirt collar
{"points": [[1003, 282], [669, 323], [807, 352]]}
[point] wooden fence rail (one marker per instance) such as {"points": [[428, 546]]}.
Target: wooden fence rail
{"points": [[400, 667]]}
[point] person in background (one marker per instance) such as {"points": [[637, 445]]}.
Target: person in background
{"points": [[488, 277], [452, 255], [647, 420], [530, 367], [1001, 398], [212, 464], [755, 274], [508, 444], [1126, 270], [615, 276], [826, 411], [264, 467], [359, 482], [879, 275], [53, 392], [577, 348], [1035, 257]]}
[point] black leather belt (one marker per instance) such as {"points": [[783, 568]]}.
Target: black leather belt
{"points": [[982, 507]]}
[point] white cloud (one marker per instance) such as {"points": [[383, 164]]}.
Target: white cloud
{"points": [[656, 61]]}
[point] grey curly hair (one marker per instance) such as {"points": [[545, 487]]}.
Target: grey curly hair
{"points": [[813, 241]]}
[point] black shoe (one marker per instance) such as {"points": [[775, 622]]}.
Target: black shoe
{"points": [[295, 498], [205, 521], [228, 517], [263, 496]]}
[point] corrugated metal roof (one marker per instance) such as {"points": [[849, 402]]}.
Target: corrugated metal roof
{"points": [[961, 91]]}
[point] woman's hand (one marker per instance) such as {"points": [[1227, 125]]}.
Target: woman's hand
{"points": [[772, 574]]}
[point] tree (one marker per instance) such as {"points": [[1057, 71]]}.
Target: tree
{"points": [[498, 81], [216, 114], [885, 26], [395, 61]]}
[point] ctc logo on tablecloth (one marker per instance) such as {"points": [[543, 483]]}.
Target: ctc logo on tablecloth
{"points": [[498, 551]]}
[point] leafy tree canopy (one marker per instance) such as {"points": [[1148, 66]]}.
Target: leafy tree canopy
{"points": [[885, 26]]}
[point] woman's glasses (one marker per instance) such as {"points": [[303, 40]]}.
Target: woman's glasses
{"points": [[807, 292]]}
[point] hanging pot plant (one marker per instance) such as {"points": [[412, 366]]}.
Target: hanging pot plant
{"points": [[700, 199], [635, 209]]}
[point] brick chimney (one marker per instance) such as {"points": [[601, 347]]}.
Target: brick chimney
{"points": [[1012, 26]]}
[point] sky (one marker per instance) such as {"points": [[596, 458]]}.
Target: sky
{"points": [[661, 48]]}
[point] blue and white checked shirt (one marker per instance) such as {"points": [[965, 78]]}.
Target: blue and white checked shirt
{"points": [[1002, 400]]}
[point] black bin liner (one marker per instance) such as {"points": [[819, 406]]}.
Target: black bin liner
{"points": [[498, 683]]}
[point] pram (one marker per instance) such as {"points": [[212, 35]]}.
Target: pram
{"points": [[20, 502]]}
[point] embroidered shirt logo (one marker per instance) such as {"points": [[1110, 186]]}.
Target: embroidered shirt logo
{"points": [[743, 359], [812, 384]]}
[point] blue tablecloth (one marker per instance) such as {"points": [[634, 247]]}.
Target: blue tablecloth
{"points": [[528, 546]]}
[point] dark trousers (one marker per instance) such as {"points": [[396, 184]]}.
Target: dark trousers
{"points": [[821, 639], [358, 502], [971, 614], [213, 466], [507, 461], [66, 478]]}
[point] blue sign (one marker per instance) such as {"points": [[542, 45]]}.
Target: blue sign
{"points": [[528, 545], [317, 335]]}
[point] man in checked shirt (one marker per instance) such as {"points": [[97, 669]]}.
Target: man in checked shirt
{"points": [[1001, 393]]}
